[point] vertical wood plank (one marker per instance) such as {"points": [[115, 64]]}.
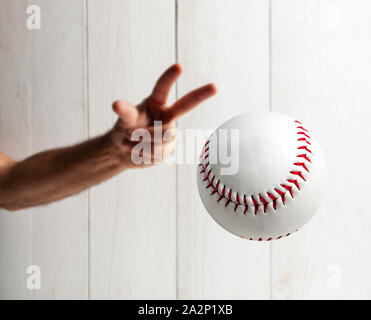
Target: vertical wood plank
{"points": [[42, 105], [133, 215], [226, 42], [321, 62]]}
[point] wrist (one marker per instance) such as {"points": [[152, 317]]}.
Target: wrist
{"points": [[111, 143]]}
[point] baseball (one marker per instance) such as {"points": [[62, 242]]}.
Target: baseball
{"points": [[272, 181]]}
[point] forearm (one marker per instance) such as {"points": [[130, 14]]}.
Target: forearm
{"points": [[58, 173]]}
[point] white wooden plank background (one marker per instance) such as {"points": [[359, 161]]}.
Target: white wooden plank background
{"points": [[217, 41], [145, 234], [132, 216], [42, 105], [321, 62]]}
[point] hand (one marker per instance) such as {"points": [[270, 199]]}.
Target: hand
{"points": [[154, 108]]}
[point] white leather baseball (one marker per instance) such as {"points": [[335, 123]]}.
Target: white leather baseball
{"points": [[280, 182]]}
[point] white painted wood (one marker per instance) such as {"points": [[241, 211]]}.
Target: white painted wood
{"points": [[150, 236], [42, 105], [132, 216], [321, 62], [226, 42]]}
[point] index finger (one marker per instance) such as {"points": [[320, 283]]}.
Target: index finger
{"points": [[190, 101], [164, 83]]}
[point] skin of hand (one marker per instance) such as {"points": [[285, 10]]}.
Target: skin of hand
{"points": [[55, 174], [155, 108]]}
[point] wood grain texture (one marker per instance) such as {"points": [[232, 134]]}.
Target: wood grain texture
{"points": [[321, 61], [226, 42], [132, 216], [148, 234], [42, 105]]}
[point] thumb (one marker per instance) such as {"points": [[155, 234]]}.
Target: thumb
{"points": [[127, 112]]}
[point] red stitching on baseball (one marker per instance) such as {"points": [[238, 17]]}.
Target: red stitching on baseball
{"points": [[288, 188], [274, 200], [298, 173], [301, 164], [270, 239], [295, 182], [229, 197], [282, 194], [216, 188], [303, 139], [301, 128], [245, 203], [238, 199], [265, 202], [256, 204], [304, 148], [303, 136], [207, 176], [238, 202], [304, 156], [211, 182]]}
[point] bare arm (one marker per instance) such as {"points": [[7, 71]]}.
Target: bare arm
{"points": [[58, 173]]}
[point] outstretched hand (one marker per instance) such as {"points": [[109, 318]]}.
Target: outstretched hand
{"points": [[155, 108]]}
